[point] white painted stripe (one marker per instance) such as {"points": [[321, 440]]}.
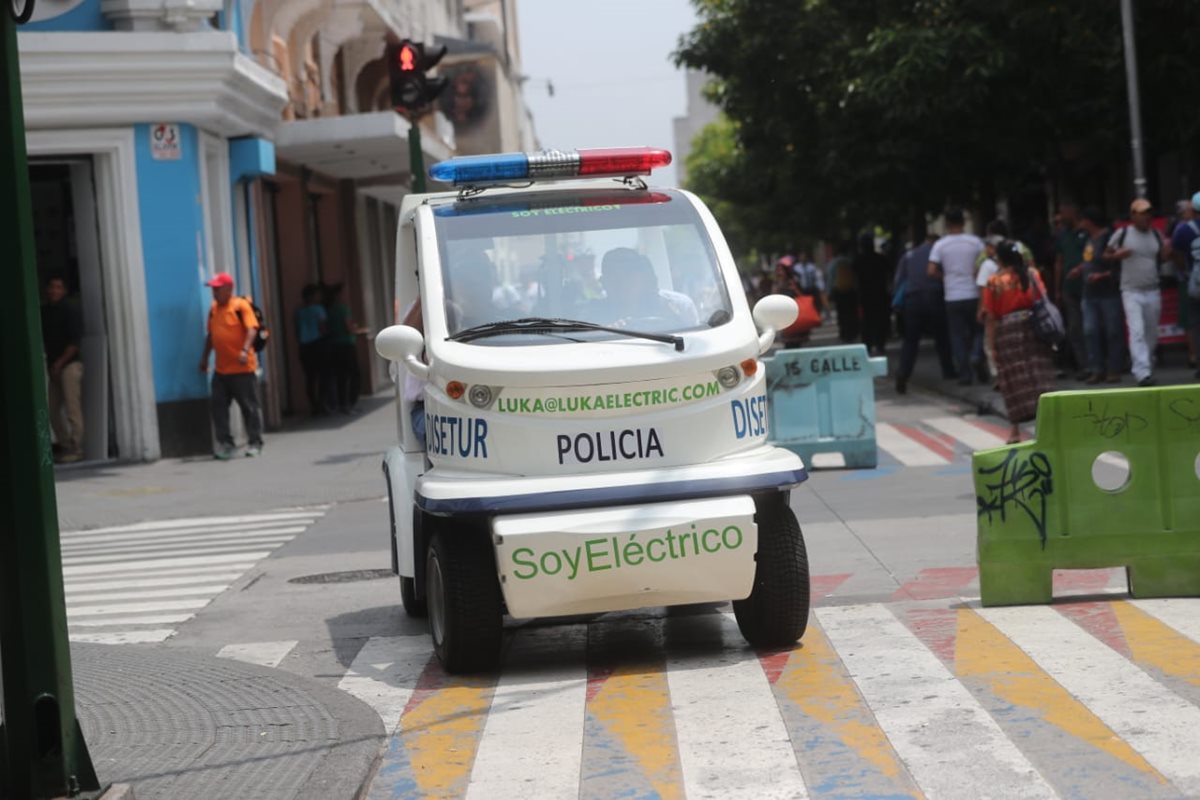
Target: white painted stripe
{"points": [[170, 537], [152, 619], [385, 672], [123, 637], [74, 612], [732, 741], [533, 735], [828, 460], [156, 565], [265, 654], [907, 451], [205, 590], [1151, 718], [951, 745], [124, 553], [194, 522], [163, 577], [971, 435], [1181, 613]]}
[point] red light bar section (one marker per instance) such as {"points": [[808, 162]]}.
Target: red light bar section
{"points": [[622, 160]]}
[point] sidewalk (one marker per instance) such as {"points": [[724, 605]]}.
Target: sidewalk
{"points": [[175, 725], [328, 460]]}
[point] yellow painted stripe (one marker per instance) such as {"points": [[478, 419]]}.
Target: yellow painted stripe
{"points": [[983, 652], [634, 705], [814, 680], [441, 735], [1158, 645]]}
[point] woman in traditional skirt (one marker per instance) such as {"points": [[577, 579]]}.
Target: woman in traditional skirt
{"points": [[1023, 361]]}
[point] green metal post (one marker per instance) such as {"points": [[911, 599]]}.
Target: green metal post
{"points": [[416, 157], [42, 752]]}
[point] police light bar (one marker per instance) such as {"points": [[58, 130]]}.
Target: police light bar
{"points": [[549, 165]]}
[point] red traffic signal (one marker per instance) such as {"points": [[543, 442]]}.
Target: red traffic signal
{"points": [[407, 64]]}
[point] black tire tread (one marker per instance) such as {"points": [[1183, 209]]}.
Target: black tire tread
{"points": [[473, 624], [776, 612]]}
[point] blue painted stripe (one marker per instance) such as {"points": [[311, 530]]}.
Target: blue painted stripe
{"points": [[613, 495]]}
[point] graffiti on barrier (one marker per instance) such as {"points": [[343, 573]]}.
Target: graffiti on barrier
{"points": [[1021, 482]]}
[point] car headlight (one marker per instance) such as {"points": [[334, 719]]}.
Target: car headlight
{"points": [[480, 395], [728, 377]]}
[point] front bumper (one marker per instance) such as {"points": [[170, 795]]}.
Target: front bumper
{"points": [[446, 492]]}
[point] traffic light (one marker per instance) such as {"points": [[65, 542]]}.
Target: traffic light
{"points": [[408, 62]]}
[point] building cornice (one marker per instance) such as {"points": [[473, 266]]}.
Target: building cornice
{"points": [[77, 80]]}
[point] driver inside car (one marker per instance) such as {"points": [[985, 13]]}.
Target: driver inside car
{"points": [[472, 287], [631, 293]]}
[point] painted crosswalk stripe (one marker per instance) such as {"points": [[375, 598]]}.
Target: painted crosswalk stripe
{"points": [[732, 741], [225, 573], [533, 735], [265, 654], [827, 460], [1179, 613], [166, 545], [385, 672], [150, 553], [154, 565], [87, 538], [126, 621], [150, 636], [952, 747], [203, 522], [904, 449], [971, 435], [1152, 719], [76, 612], [199, 590]]}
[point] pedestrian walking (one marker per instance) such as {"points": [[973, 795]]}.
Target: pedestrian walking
{"points": [[1140, 248], [62, 334], [987, 266], [1185, 246], [844, 291], [811, 281], [924, 311], [952, 260], [1022, 360], [343, 351], [1103, 317], [871, 274], [232, 327], [1068, 279], [311, 332]]}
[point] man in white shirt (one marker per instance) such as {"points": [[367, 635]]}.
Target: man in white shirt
{"points": [[952, 260], [1140, 248]]}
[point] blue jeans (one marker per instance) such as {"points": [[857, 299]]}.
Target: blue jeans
{"points": [[966, 336], [1104, 329]]}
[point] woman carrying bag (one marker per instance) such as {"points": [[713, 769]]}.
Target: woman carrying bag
{"points": [[1023, 360]]}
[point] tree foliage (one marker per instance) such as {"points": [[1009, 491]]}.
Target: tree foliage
{"points": [[842, 112]]}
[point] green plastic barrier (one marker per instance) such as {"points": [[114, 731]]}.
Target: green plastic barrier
{"points": [[1041, 506]]}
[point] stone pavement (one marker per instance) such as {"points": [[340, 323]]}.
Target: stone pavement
{"points": [[177, 724], [330, 460]]}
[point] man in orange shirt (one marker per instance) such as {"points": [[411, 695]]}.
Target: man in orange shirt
{"points": [[231, 330]]}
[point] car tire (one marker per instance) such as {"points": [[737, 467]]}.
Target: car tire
{"points": [[414, 606], [463, 599], [776, 612]]}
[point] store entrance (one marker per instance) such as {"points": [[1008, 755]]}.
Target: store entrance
{"points": [[67, 244]]}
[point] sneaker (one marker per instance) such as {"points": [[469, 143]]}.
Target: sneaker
{"points": [[224, 454], [253, 450], [70, 458], [1148, 381], [1095, 377]]}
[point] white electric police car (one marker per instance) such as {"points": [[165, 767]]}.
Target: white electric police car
{"points": [[593, 406]]}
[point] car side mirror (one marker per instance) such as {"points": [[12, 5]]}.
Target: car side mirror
{"points": [[773, 313], [403, 344]]}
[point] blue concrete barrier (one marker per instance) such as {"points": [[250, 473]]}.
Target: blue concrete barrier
{"points": [[822, 400]]}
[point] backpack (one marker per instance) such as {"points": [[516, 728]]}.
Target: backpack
{"points": [[1157, 237], [262, 333]]}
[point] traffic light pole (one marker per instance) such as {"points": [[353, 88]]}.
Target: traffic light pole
{"points": [[42, 751], [416, 156]]}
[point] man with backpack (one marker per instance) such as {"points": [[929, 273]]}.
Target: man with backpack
{"points": [[1185, 244], [1140, 248], [234, 335]]}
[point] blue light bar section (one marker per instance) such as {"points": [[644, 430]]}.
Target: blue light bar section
{"points": [[482, 169]]}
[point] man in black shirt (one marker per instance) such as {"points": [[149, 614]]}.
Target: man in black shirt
{"points": [[62, 331]]}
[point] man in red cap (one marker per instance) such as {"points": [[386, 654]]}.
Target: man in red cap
{"points": [[232, 326]]}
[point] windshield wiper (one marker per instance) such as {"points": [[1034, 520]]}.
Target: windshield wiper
{"points": [[551, 325]]}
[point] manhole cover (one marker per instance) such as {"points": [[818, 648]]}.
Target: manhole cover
{"points": [[345, 577]]}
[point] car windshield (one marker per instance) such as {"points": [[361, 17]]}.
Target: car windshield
{"points": [[628, 259]]}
